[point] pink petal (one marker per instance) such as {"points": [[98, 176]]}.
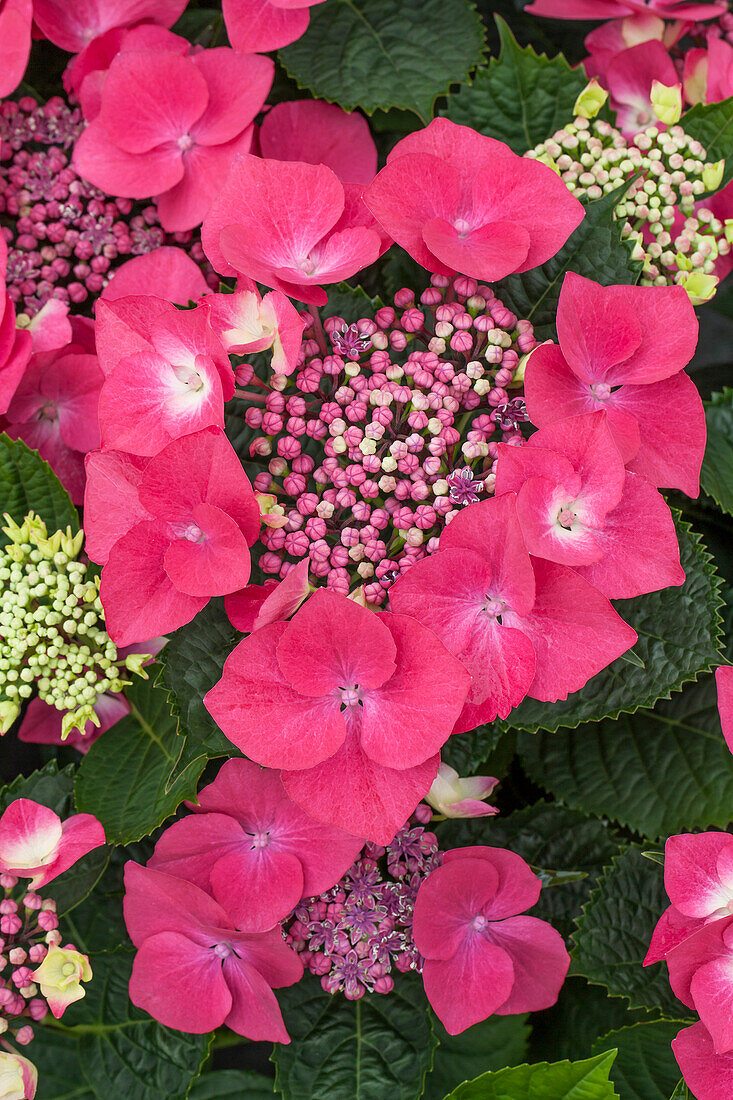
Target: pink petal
{"points": [[278, 964], [80, 834], [138, 598], [255, 1012], [170, 270], [111, 501], [671, 930], [41, 724], [724, 682], [237, 86], [320, 133], [629, 79], [257, 26], [150, 99], [712, 991], [691, 875], [124, 327], [574, 630], [215, 562], [257, 887], [189, 848], [137, 176], [30, 836], [488, 252], [517, 465], [14, 364], [409, 717], [261, 713], [51, 328], [334, 643], [518, 887], [448, 901], [180, 984], [706, 945], [708, 1075], [156, 902], [259, 605], [68, 465], [502, 665], [16, 17], [540, 961], [639, 543], [481, 971], [73, 383], [351, 791], [185, 206], [71, 26]]}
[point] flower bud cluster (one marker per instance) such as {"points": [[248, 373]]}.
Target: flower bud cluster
{"points": [[66, 236], [676, 236], [358, 931], [385, 430], [28, 929], [52, 635]]}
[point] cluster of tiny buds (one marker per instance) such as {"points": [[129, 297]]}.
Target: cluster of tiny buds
{"points": [[371, 444], [67, 236], [355, 934], [52, 636], [28, 927], [670, 230]]}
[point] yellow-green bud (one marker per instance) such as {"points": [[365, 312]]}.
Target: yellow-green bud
{"points": [[590, 100], [700, 287], [9, 711], [666, 102], [712, 175]]}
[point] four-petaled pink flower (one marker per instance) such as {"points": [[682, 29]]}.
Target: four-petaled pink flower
{"points": [[481, 958], [195, 971], [578, 506], [623, 349], [170, 533], [252, 848], [291, 226], [171, 126], [167, 374], [258, 26], [701, 975], [518, 626], [459, 201], [352, 705], [36, 844]]}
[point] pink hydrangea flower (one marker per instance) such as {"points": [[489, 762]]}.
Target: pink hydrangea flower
{"points": [[629, 77], [171, 126], [193, 970], [258, 26], [72, 26], [16, 345], [707, 1074], [518, 626], [170, 271], [481, 957], [36, 844], [724, 682], [609, 39], [16, 17], [614, 9], [166, 376], [54, 410], [623, 349], [257, 605], [454, 796], [246, 323], [459, 201], [578, 506], [291, 226], [352, 705], [170, 533], [698, 878], [253, 849], [320, 133]]}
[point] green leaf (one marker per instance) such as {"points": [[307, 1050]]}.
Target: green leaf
{"points": [[123, 779], [70, 888], [521, 98], [97, 924], [658, 772], [712, 125], [232, 1084], [615, 929], [380, 1046], [547, 836], [645, 1068], [27, 483], [192, 663], [679, 637], [489, 1045], [349, 302], [716, 476], [56, 1057], [595, 250], [682, 1092], [587, 1080], [122, 1051], [378, 54], [49, 786], [582, 1013]]}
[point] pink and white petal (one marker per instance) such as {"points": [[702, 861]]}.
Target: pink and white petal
{"points": [[518, 887], [257, 26], [539, 506], [30, 835], [180, 984], [51, 328], [255, 1012], [139, 599], [448, 901], [136, 176], [261, 713], [639, 543], [213, 563], [482, 972], [80, 834], [692, 876], [411, 715], [489, 252], [540, 961], [334, 643], [351, 791], [237, 85]]}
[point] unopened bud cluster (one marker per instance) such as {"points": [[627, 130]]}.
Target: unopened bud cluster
{"points": [[52, 635], [386, 429], [675, 235], [28, 928], [355, 934]]}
